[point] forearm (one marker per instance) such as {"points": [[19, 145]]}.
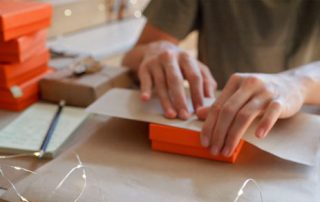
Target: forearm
{"points": [[309, 76]]}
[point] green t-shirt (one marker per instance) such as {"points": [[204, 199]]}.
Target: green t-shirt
{"points": [[244, 35]]}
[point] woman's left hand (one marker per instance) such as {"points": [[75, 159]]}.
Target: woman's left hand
{"points": [[247, 97]]}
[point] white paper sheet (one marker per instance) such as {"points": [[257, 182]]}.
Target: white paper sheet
{"points": [[296, 139]]}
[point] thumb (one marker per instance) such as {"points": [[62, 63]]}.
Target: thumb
{"points": [[202, 112]]}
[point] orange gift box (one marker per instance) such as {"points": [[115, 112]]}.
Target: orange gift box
{"points": [[22, 48], [23, 95], [185, 142], [10, 72], [21, 105], [25, 77], [18, 18]]}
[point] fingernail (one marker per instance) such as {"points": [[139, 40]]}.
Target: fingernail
{"points": [[201, 109], [184, 114], [145, 96], [204, 141], [202, 113], [198, 106], [261, 133], [215, 151], [170, 113], [226, 152]]}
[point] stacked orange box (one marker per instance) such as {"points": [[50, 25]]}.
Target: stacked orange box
{"points": [[23, 54], [185, 142]]}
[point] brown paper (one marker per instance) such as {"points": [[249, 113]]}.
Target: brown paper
{"points": [[296, 139], [122, 167], [83, 90]]}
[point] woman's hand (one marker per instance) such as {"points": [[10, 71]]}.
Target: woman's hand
{"points": [[246, 97], [165, 66]]}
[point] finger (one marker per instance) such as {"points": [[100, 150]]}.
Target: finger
{"points": [[145, 84], [162, 91], [192, 73], [243, 120], [175, 84], [227, 115], [230, 88], [248, 88], [269, 118], [209, 84], [208, 125], [202, 112], [207, 130], [232, 85]]}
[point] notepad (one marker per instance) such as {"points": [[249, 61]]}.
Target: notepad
{"points": [[26, 133]]}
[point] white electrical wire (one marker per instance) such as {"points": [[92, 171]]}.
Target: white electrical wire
{"points": [[241, 190], [22, 198], [84, 177]]}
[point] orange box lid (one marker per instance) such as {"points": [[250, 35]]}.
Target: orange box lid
{"points": [[184, 140], [23, 43], [23, 91], [19, 106], [24, 78], [194, 151], [18, 18], [10, 71], [20, 31], [174, 135], [22, 54]]}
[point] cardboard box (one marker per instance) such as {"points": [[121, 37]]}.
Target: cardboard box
{"points": [[22, 48], [18, 18], [11, 73], [83, 90], [185, 142], [20, 96]]}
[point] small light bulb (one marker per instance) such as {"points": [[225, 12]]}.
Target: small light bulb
{"points": [[16, 168], [240, 192], [137, 14], [23, 199], [67, 12], [37, 154]]}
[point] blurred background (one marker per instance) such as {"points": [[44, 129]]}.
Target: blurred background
{"points": [[104, 29]]}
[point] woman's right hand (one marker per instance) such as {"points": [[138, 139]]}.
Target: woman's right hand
{"points": [[164, 67]]}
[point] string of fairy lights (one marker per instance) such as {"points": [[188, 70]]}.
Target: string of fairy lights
{"points": [[80, 166], [22, 198]]}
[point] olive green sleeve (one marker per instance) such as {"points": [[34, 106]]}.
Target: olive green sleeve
{"points": [[176, 17]]}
